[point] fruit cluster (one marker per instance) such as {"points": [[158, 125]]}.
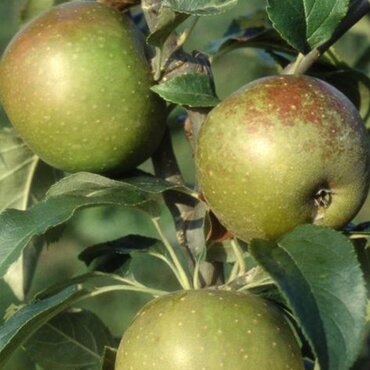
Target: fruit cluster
{"points": [[280, 152]]}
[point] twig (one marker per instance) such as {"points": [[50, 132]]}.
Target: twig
{"points": [[184, 279], [179, 204], [168, 263], [239, 256]]}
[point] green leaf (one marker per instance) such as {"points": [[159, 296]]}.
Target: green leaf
{"points": [[24, 180], [31, 317], [200, 7], [223, 252], [33, 8], [168, 20], [110, 256], [74, 339], [250, 31], [192, 89], [109, 359], [195, 229], [82, 183], [19, 275], [64, 199], [306, 24], [317, 271], [363, 255], [17, 164]]}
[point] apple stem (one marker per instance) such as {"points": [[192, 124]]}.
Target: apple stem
{"points": [[171, 61], [166, 260], [239, 256], [197, 277], [184, 279], [182, 207], [233, 274], [166, 166], [357, 10], [303, 63]]}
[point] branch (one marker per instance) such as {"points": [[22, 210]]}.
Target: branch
{"points": [[179, 204], [186, 211]]}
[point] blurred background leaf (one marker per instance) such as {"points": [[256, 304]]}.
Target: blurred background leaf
{"points": [[76, 338]]}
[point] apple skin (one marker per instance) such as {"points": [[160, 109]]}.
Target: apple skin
{"points": [[283, 151], [209, 329], [75, 84]]}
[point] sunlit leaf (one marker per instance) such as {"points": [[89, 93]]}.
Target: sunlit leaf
{"points": [[306, 24], [317, 271]]}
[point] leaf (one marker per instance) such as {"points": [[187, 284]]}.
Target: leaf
{"points": [[19, 168], [109, 359], [17, 163], [306, 24], [33, 8], [24, 180], [194, 229], [28, 318], [250, 31], [168, 21], [31, 317], [192, 89], [68, 196], [74, 339], [317, 271], [363, 255], [20, 274], [223, 252], [117, 252], [200, 7], [78, 183]]}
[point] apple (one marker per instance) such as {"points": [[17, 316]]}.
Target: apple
{"points": [[209, 329], [75, 83], [283, 151]]}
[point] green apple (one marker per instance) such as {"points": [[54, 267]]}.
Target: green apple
{"points": [[209, 330], [75, 83], [283, 151]]}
